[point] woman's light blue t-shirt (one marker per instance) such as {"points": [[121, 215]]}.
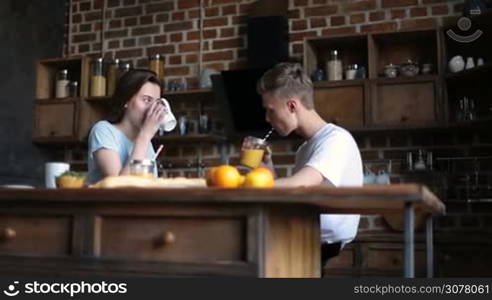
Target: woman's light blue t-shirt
{"points": [[105, 135]]}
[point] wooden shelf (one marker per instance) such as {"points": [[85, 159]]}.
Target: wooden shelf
{"points": [[104, 99], [57, 100], [470, 72], [470, 124], [188, 95], [407, 79], [339, 83], [190, 138]]}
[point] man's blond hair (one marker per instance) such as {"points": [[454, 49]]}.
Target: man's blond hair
{"points": [[286, 80]]}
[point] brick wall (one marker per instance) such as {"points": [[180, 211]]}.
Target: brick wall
{"points": [[134, 29]]}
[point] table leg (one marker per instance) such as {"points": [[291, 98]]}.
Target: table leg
{"points": [[409, 250], [429, 240]]}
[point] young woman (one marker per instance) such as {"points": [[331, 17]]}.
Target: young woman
{"points": [[126, 135]]}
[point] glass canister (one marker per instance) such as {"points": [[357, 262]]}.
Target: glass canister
{"points": [[98, 78], [156, 64], [62, 84], [142, 168], [112, 76], [123, 68], [351, 72], [252, 151], [73, 88], [334, 67]]}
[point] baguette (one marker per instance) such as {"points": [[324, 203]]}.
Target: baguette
{"points": [[142, 182]]}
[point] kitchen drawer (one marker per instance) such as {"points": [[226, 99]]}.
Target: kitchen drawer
{"points": [[390, 257], [35, 235], [176, 239]]}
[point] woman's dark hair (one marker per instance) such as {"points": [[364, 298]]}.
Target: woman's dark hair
{"points": [[128, 85]]}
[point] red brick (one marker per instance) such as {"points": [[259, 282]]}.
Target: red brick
{"points": [[221, 2], [189, 47], [338, 31], [296, 37], [177, 71], [244, 9], [229, 43], [146, 20], [210, 33], [321, 11], [129, 2], [294, 14], [114, 44], [175, 60], [440, 10], [129, 22], [160, 39], [166, 49], [317, 22], [192, 35], [145, 41], [380, 27], [128, 12], [433, 1], [215, 22], [211, 12], [377, 16], [418, 11], [363, 5], [116, 33], [145, 30], [297, 48], [85, 27], [300, 3], [398, 3], [177, 37], [218, 56], [115, 23], [85, 6], [191, 58], [128, 43], [337, 20], [193, 14], [98, 4], [357, 18], [229, 10], [84, 48], [86, 37], [159, 7], [226, 32], [428, 23], [180, 26], [77, 18], [113, 3], [178, 16], [162, 18], [398, 14], [129, 53], [184, 4], [97, 26], [298, 25], [92, 16]]}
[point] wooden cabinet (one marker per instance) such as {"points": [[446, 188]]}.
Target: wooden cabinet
{"points": [[55, 120], [378, 101]]}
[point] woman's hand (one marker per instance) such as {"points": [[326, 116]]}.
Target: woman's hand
{"points": [[153, 118]]}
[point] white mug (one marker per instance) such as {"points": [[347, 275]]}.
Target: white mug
{"points": [[169, 122], [383, 177], [53, 170]]}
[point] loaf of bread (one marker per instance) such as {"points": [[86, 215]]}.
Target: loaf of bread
{"points": [[143, 182]]}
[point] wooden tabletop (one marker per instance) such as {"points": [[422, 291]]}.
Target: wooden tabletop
{"points": [[363, 200]]}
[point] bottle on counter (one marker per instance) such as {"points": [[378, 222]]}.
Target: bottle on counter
{"points": [[98, 78], [334, 67], [112, 76], [156, 64], [62, 84]]}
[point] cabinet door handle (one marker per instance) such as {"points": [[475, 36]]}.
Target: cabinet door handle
{"points": [[166, 238], [7, 234]]}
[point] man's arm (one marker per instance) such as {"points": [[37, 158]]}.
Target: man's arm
{"points": [[306, 176]]}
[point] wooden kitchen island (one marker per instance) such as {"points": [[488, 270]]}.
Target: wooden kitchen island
{"points": [[187, 232]]}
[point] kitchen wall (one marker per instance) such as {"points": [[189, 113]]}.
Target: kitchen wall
{"points": [[134, 29], [29, 30]]}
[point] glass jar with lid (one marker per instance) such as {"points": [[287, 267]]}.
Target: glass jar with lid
{"points": [[98, 78], [112, 76], [156, 64], [334, 68], [62, 84], [123, 68], [142, 168]]}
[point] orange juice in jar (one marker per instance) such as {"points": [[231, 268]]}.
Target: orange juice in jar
{"points": [[252, 151], [142, 168]]}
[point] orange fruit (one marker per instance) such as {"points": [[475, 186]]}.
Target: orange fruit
{"points": [[259, 177], [210, 176], [226, 176]]}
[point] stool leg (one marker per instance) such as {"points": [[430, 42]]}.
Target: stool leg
{"points": [[429, 240], [409, 250]]}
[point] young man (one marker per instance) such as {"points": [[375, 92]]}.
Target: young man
{"points": [[328, 156]]}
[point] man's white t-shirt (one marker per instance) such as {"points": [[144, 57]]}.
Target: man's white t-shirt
{"points": [[333, 152]]}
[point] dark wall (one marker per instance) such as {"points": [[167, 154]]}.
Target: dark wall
{"points": [[29, 30]]}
